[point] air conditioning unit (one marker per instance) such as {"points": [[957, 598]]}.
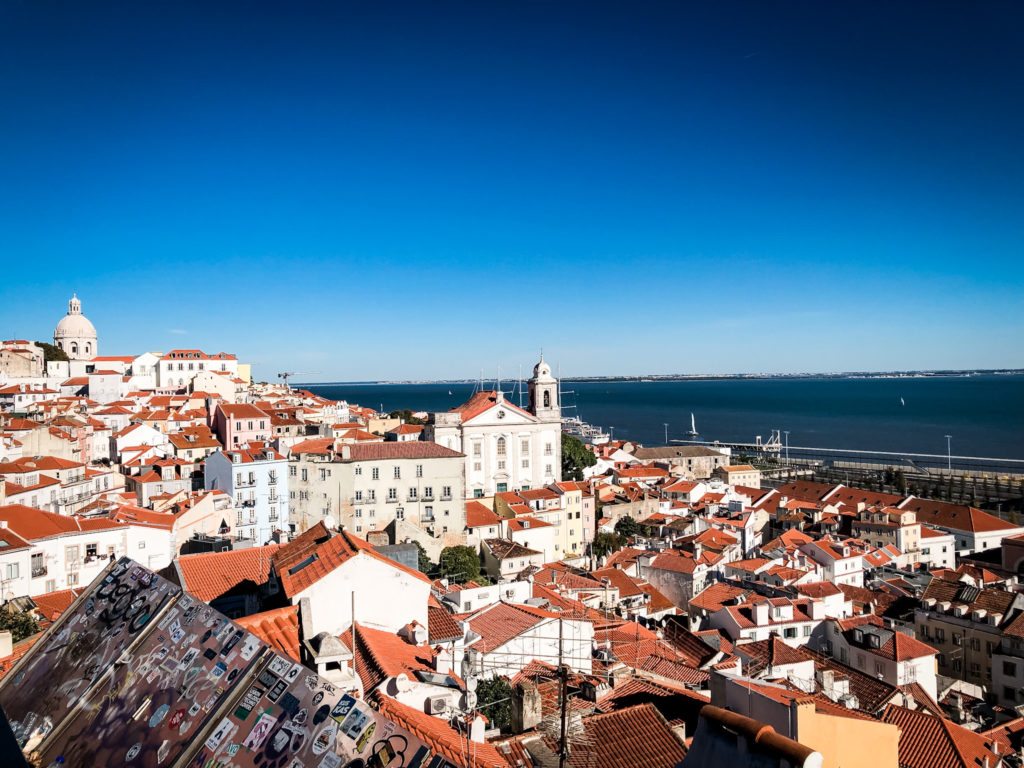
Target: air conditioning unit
{"points": [[437, 705]]}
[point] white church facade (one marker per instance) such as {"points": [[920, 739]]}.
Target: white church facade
{"points": [[507, 448]]}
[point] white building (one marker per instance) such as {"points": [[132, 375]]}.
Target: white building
{"points": [[43, 552], [336, 571], [841, 562], [177, 368], [256, 477], [507, 448]]}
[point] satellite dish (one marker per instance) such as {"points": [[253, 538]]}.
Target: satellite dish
{"points": [[470, 700], [471, 683]]}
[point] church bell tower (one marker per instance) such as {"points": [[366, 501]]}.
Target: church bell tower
{"points": [[544, 393]]}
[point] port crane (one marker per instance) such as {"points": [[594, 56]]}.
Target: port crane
{"points": [[288, 374]]}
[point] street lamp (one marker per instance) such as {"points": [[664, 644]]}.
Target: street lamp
{"points": [[949, 454]]}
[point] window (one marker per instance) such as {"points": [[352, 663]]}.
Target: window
{"points": [[477, 450], [807, 630], [502, 487], [412, 494], [375, 473], [879, 669], [305, 475], [548, 450], [11, 571], [358, 513], [524, 447], [291, 471], [477, 466], [371, 495], [478, 493], [419, 470], [71, 554], [958, 639], [446, 492], [359, 471], [428, 493], [142, 545], [323, 473], [957, 665], [501, 446], [940, 635], [398, 473], [359, 495], [1009, 667], [38, 565], [400, 513], [72, 579], [789, 632], [547, 469], [392, 494]]}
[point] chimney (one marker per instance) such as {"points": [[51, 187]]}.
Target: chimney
{"points": [[526, 707], [760, 612], [346, 451]]}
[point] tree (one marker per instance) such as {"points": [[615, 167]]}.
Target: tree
{"points": [[576, 456], [459, 564], [627, 527], [21, 624], [405, 415], [605, 544], [425, 565], [51, 352], [900, 481], [494, 701]]}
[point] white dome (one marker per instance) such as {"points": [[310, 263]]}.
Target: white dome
{"points": [[75, 334], [74, 327]]}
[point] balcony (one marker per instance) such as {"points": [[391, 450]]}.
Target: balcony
{"points": [[272, 480], [249, 503], [391, 500], [427, 497], [446, 497], [37, 572], [245, 483]]}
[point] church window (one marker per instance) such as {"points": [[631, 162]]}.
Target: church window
{"points": [[501, 446], [74, 349], [547, 449], [524, 447], [477, 449], [547, 399], [88, 349]]}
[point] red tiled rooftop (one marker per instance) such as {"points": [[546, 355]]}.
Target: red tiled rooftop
{"points": [[210, 575], [278, 628]]}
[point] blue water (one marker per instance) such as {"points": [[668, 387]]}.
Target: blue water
{"points": [[984, 414]]}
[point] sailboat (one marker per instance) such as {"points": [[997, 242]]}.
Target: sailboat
{"points": [[449, 391], [693, 427], [901, 401]]}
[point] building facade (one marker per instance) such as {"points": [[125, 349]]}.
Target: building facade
{"points": [[507, 448], [256, 479]]}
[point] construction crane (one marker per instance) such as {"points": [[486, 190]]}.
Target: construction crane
{"points": [[288, 374]]}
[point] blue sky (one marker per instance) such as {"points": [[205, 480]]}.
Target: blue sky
{"points": [[382, 191]]}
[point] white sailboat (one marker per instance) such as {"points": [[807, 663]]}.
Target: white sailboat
{"points": [[901, 401], [693, 427]]}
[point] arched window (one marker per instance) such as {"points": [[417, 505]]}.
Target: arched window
{"points": [[547, 399], [88, 349], [501, 446], [74, 348]]}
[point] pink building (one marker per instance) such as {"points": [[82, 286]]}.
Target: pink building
{"points": [[240, 423]]}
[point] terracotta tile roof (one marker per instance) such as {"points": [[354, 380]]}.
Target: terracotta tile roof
{"points": [[927, 741], [1009, 735], [957, 592], [278, 628], [212, 574], [872, 694], [479, 515], [412, 449], [441, 627], [316, 552], [19, 650], [672, 669], [497, 624], [381, 655], [481, 402], [502, 549], [716, 596], [944, 514], [628, 738], [439, 736], [52, 604], [818, 589]]}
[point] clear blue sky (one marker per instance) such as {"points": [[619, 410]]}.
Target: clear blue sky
{"points": [[390, 190]]}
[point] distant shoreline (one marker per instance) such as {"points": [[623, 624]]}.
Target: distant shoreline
{"points": [[655, 377]]}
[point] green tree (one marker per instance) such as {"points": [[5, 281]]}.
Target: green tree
{"points": [[51, 352], [605, 544], [406, 415], [21, 624], [576, 456], [900, 481], [425, 565], [494, 701], [626, 527], [459, 564]]}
